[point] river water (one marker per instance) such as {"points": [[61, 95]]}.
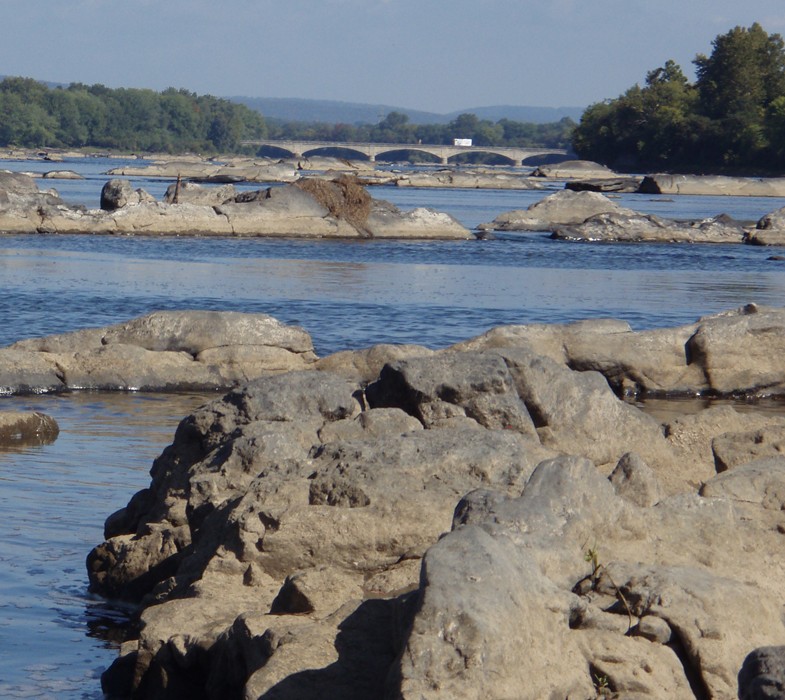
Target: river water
{"points": [[55, 639]]}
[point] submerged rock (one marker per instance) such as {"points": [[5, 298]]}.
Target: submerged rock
{"points": [[27, 428]]}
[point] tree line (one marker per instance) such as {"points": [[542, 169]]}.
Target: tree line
{"points": [[34, 115], [731, 118], [395, 127]]}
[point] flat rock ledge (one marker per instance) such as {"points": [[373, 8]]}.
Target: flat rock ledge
{"points": [[487, 520], [583, 215], [163, 351], [310, 208]]}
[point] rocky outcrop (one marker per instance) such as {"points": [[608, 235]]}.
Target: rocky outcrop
{"points": [[770, 229], [581, 213], [734, 353], [634, 227], [488, 520], [558, 209], [575, 169], [712, 185], [163, 351], [605, 184], [471, 179], [236, 170], [309, 209]]}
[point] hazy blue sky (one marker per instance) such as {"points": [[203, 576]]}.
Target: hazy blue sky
{"points": [[436, 55]]}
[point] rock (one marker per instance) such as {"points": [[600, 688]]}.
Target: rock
{"points": [[363, 366], [761, 482], [762, 676], [570, 169], [470, 179], [741, 351], [23, 207], [616, 184], [310, 209], [689, 607], [570, 409], [433, 389], [560, 208], [770, 229], [163, 351], [693, 437], [734, 353], [16, 183], [237, 170], [388, 222], [447, 527], [712, 185], [631, 226], [27, 428], [192, 193], [733, 449], [636, 481], [62, 175], [29, 373], [117, 194]]}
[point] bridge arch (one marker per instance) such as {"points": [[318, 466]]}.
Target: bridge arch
{"points": [[487, 157], [274, 152], [403, 155], [336, 152]]}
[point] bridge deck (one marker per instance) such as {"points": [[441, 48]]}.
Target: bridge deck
{"points": [[373, 150]]}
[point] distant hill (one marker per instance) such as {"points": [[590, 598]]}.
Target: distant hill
{"points": [[335, 112]]}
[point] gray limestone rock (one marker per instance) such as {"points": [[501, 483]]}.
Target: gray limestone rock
{"points": [[762, 676], [636, 481], [448, 385], [635, 227]]}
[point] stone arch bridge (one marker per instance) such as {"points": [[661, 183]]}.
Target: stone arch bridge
{"points": [[373, 151]]}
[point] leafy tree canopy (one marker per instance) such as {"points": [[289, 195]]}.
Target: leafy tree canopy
{"points": [[33, 115], [732, 117]]}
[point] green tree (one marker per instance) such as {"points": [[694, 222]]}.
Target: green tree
{"points": [[737, 84]]}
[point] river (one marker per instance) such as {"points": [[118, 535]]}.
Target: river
{"points": [[55, 638]]}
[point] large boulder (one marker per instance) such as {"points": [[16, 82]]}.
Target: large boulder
{"points": [[117, 193]]}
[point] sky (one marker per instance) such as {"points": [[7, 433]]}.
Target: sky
{"points": [[433, 55]]}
